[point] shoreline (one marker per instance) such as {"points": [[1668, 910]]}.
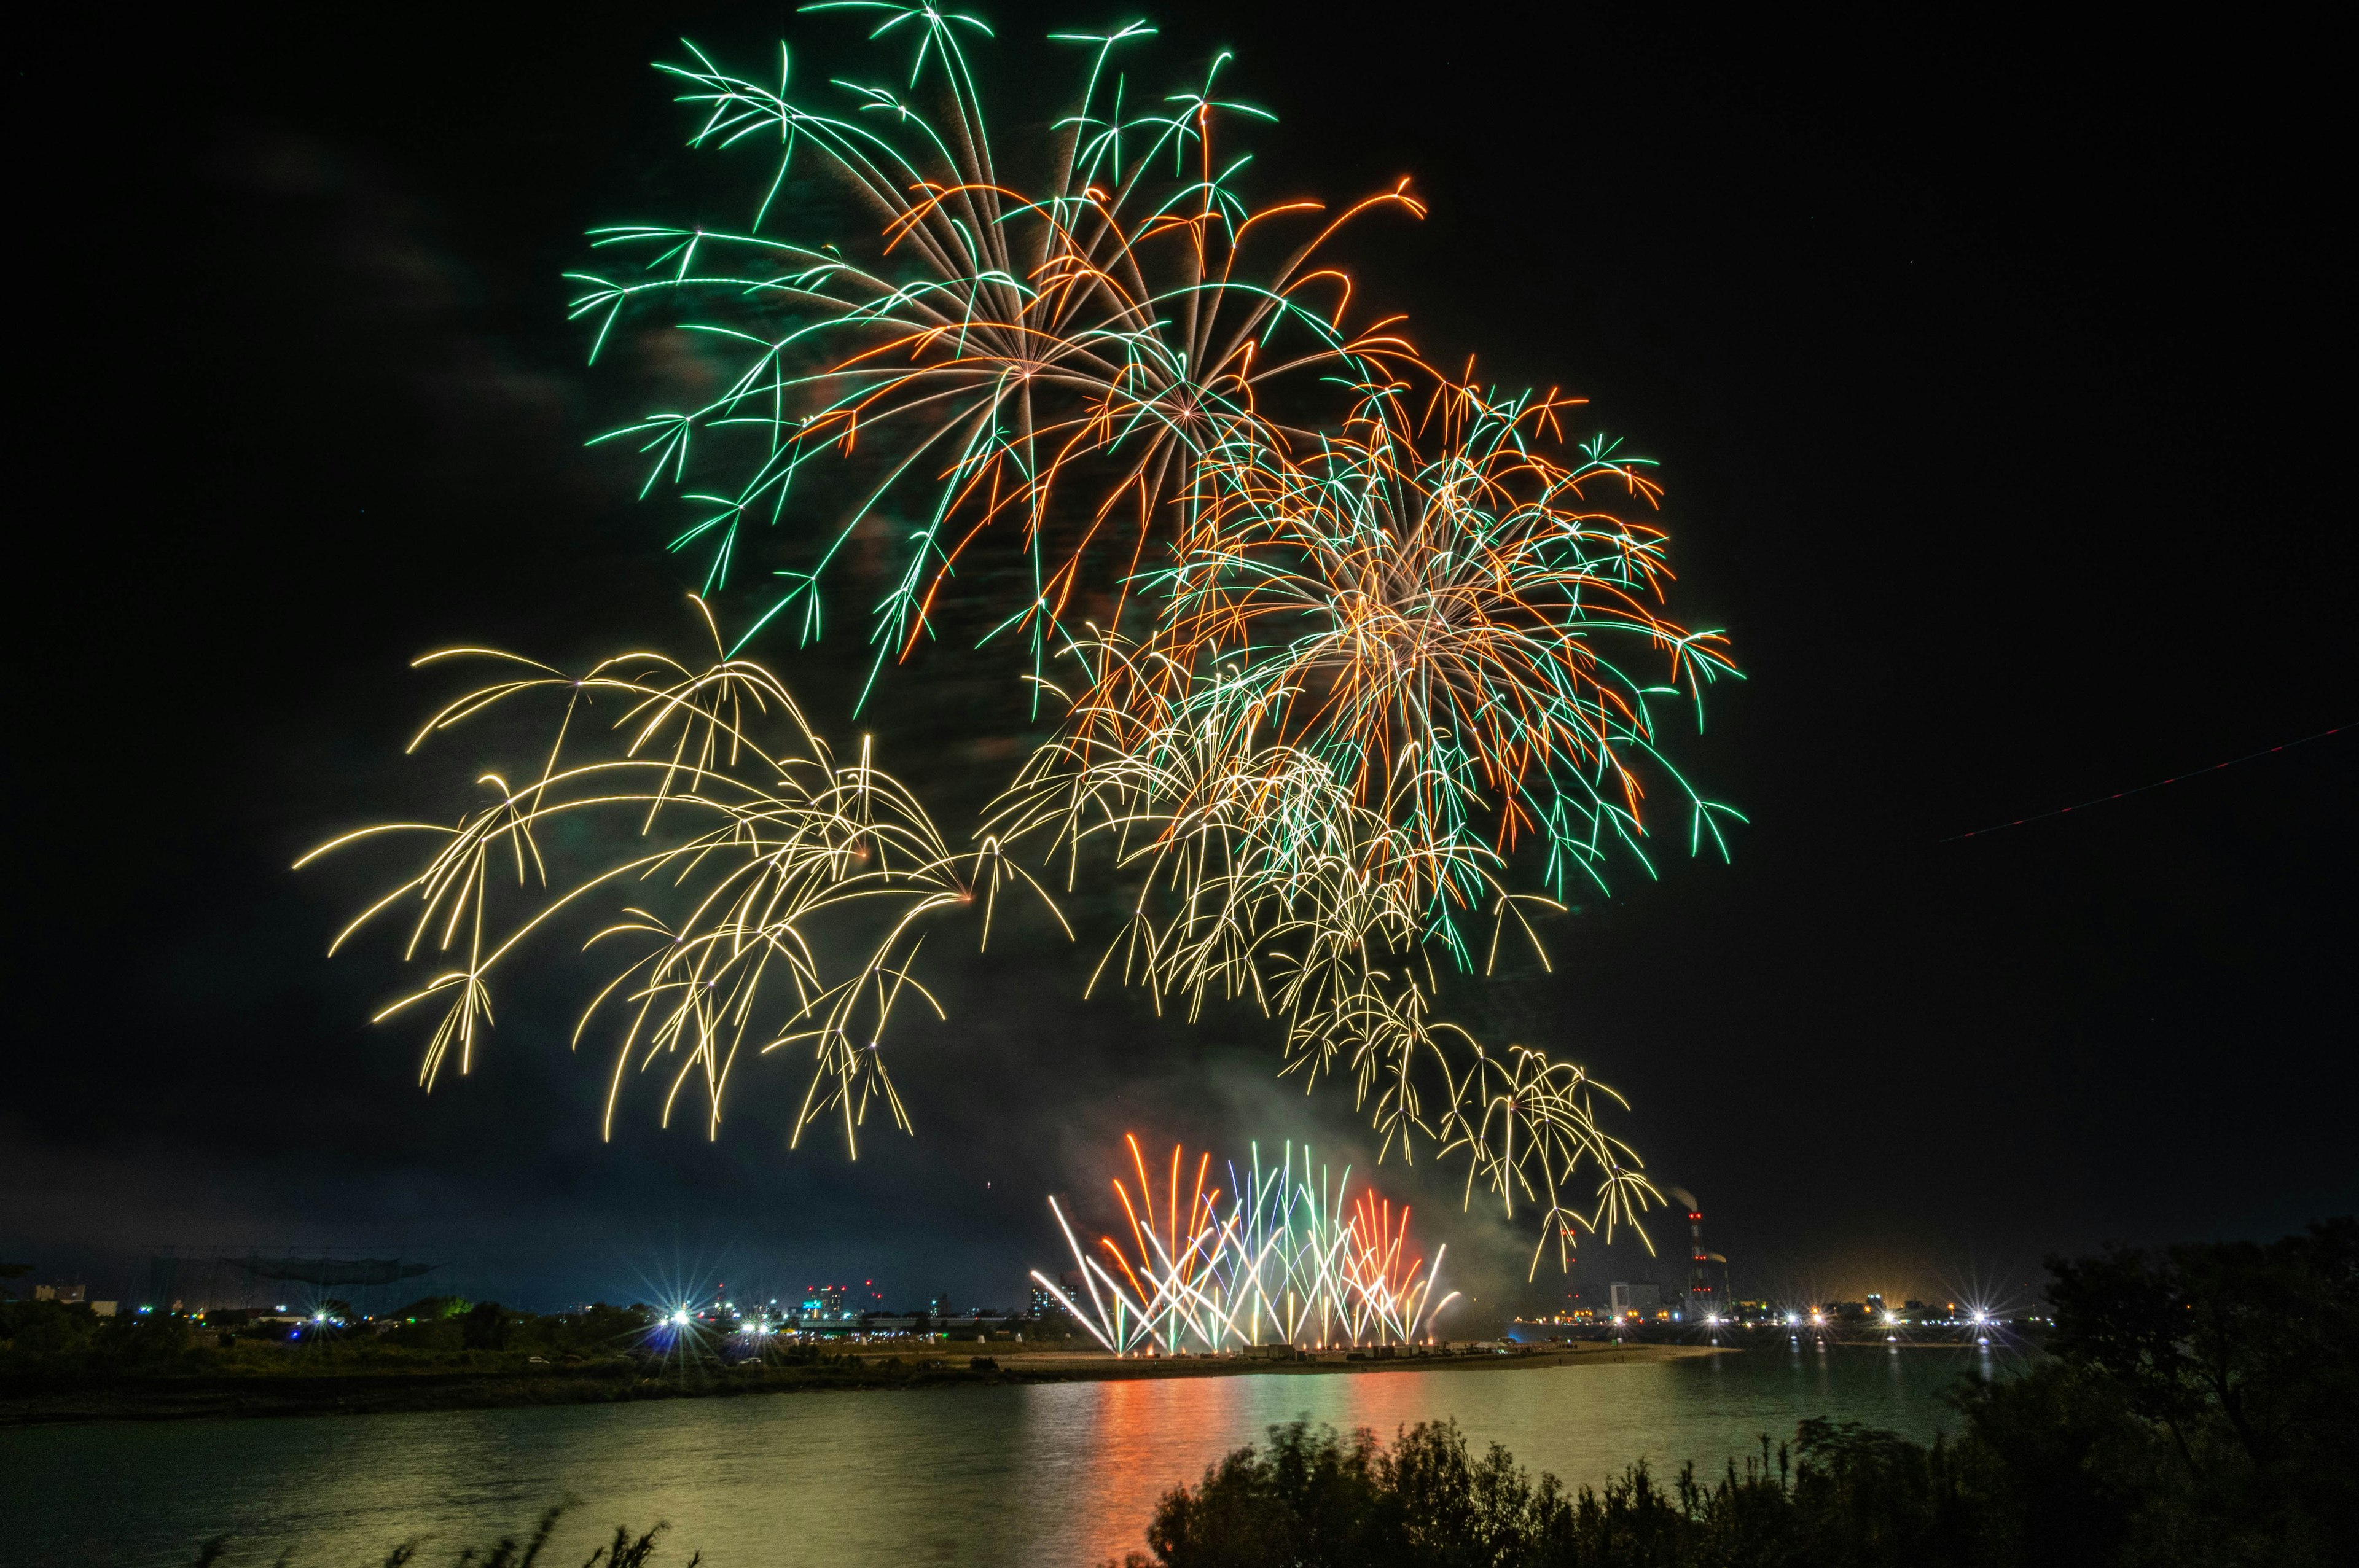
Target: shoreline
{"points": [[369, 1393]]}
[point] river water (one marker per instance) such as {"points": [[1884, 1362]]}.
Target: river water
{"points": [[1045, 1474]]}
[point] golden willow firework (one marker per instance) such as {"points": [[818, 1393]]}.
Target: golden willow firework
{"points": [[752, 857], [1052, 353]]}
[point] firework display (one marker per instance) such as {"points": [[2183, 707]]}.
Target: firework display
{"points": [[1277, 1257], [1057, 358], [1351, 660], [1351, 668], [1435, 636]]}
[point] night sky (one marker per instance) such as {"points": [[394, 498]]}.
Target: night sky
{"points": [[1998, 392]]}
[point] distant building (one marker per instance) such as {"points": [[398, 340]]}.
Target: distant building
{"points": [[67, 1294], [832, 1307], [1639, 1299]]}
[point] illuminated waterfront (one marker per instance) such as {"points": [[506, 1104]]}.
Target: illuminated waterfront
{"points": [[1050, 1474]]}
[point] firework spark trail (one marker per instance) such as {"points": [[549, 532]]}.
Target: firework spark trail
{"points": [[1527, 1126], [755, 846]]}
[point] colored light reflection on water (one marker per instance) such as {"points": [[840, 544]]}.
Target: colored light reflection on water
{"points": [[1053, 1474]]}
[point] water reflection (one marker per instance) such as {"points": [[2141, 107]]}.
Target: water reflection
{"points": [[1055, 1474]]}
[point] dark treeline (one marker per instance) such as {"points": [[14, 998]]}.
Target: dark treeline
{"points": [[60, 1362], [2200, 1405], [65, 1342], [48, 1339]]}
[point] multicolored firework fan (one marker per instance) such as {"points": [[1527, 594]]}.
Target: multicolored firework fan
{"points": [[1354, 666], [1285, 1260]]}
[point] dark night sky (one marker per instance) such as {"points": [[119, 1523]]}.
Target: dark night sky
{"points": [[1996, 391]]}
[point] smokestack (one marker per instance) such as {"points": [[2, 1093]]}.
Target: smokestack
{"points": [[1702, 1299]]}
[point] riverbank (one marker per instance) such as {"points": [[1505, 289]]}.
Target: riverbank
{"points": [[297, 1392], [1049, 1475]]}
